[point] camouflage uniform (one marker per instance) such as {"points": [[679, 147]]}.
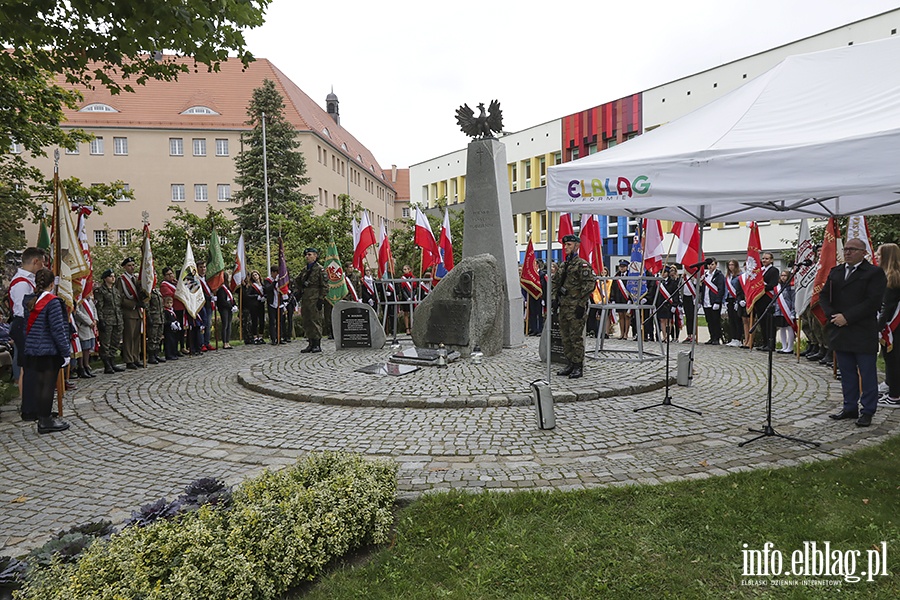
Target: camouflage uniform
{"points": [[313, 288], [572, 286], [109, 320], [155, 321]]}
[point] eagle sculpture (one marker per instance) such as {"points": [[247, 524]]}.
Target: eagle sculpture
{"points": [[482, 126]]}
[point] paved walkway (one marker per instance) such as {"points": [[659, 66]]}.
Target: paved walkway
{"points": [[144, 434]]}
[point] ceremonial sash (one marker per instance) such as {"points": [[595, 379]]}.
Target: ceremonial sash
{"points": [[666, 293], [887, 334], [168, 286], [43, 301], [707, 281], [785, 309], [87, 308], [369, 285], [689, 285], [732, 292], [128, 287], [258, 288], [407, 286], [15, 282], [622, 289], [74, 340], [229, 294]]}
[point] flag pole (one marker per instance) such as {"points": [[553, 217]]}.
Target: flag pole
{"points": [[61, 374], [241, 311], [266, 195]]}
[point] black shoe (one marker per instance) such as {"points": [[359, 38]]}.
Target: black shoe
{"points": [[811, 349], [577, 372], [567, 370], [846, 414], [131, 366], [108, 367], [88, 372], [308, 349], [316, 349], [818, 355], [864, 420], [161, 359], [51, 424], [827, 361], [276, 343], [152, 360], [116, 367], [171, 358]]}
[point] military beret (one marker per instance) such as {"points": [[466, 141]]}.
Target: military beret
{"points": [[571, 238], [311, 249], [127, 261], [107, 273]]}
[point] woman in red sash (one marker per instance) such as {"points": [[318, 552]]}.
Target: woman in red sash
{"points": [[47, 349]]}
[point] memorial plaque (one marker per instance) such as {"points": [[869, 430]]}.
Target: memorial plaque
{"points": [[356, 330], [557, 354], [449, 323], [390, 369], [422, 356]]}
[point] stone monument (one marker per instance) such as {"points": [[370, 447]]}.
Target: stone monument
{"points": [[356, 325], [489, 228], [464, 310]]}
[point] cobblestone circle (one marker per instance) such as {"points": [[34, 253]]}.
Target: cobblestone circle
{"points": [[141, 435]]}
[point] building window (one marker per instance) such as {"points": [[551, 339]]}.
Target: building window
{"points": [[543, 171], [612, 227], [74, 150], [199, 110], [557, 158], [120, 146], [16, 148], [221, 147], [611, 142], [177, 192], [527, 174], [224, 192], [731, 224], [514, 177], [124, 237], [763, 223], [201, 193], [592, 149], [97, 146], [199, 146], [120, 194], [98, 107], [405, 213], [543, 231], [632, 226], [101, 237], [176, 147]]}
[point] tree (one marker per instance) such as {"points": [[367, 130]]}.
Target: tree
{"points": [[285, 167], [170, 242], [88, 43]]}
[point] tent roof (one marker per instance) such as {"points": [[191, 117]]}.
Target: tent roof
{"points": [[817, 135]]}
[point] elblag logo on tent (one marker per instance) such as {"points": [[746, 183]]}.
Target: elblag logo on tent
{"points": [[599, 188]]}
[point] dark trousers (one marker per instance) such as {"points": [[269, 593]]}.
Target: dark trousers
{"points": [[735, 323], [170, 341], [892, 369], [38, 385], [273, 324], [226, 315], [714, 324], [867, 376], [688, 303]]}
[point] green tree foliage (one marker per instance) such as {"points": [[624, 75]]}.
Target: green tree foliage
{"points": [[170, 242], [285, 167]]}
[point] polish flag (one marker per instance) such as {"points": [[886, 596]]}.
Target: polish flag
{"points": [[424, 238], [688, 249], [239, 275], [653, 246], [445, 245], [385, 258], [591, 248], [365, 241], [565, 227]]}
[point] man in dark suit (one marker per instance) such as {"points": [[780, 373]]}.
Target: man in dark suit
{"points": [[771, 276], [712, 294], [850, 299]]}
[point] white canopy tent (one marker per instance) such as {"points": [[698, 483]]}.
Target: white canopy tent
{"points": [[816, 136]]}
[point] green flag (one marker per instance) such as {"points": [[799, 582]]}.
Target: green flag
{"points": [[44, 238], [337, 284], [215, 267]]}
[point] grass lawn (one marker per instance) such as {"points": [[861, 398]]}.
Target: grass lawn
{"points": [[681, 540]]}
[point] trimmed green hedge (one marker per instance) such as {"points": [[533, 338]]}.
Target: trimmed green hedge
{"points": [[282, 528]]}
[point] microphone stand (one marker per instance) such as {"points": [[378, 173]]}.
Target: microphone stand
{"points": [[667, 401], [767, 429]]}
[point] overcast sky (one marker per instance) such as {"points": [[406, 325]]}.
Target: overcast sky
{"points": [[400, 68]]}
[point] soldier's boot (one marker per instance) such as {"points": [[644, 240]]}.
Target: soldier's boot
{"points": [[577, 371], [309, 347], [810, 349], [51, 424], [108, 367], [152, 359], [116, 367], [567, 370], [317, 347]]}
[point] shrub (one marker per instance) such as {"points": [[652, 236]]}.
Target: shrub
{"points": [[282, 528]]}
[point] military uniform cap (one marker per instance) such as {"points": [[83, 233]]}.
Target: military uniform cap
{"points": [[623, 263], [310, 249], [107, 273], [571, 238], [128, 261]]}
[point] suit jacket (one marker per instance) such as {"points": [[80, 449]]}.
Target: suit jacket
{"points": [[718, 280], [858, 299]]}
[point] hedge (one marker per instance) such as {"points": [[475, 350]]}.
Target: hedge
{"points": [[281, 529]]}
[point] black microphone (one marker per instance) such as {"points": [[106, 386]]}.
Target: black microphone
{"points": [[703, 263]]}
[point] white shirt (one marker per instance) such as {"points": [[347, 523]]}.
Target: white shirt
{"points": [[18, 292]]}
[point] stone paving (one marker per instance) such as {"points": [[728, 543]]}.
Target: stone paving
{"points": [[144, 434]]}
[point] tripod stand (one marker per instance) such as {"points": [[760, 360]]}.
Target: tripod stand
{"points": [[767, 429], [668, 305]]}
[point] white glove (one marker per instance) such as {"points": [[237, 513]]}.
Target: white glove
{"points": [[66, 362], [717, 306], [234, 309], [643, 301], [743, 303], [175, 326], [674, 310]]}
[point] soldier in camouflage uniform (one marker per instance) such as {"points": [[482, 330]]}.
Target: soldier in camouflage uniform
{"points": [[155, 321], [572, 287], [109, 320], [313, 288]]}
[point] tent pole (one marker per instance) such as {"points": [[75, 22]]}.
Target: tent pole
{"points": [[548, 320], [701, 222]]}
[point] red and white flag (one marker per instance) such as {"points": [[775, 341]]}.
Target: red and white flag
{"points": [[445, 246], [239, 275], [565, 227], [752, 282], [385, 258], [653, 246], [364, 241], [87, 282], [424, 239], [147, 274], [687, 251], [530, 278], [591, 248], [828, 259]]}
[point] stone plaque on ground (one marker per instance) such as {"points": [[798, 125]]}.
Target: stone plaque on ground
{"points": [[391, 369], [449, 323], [422, 356], [557, 354], [356, 325]]}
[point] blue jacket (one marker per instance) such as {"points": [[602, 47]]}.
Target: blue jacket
{"points": [[49, 336]]}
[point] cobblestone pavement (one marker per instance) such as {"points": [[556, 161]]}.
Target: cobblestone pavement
{"points": [[144, 434]]}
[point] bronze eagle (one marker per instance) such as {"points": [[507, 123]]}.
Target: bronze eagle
{"points": [[482, 126]]}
